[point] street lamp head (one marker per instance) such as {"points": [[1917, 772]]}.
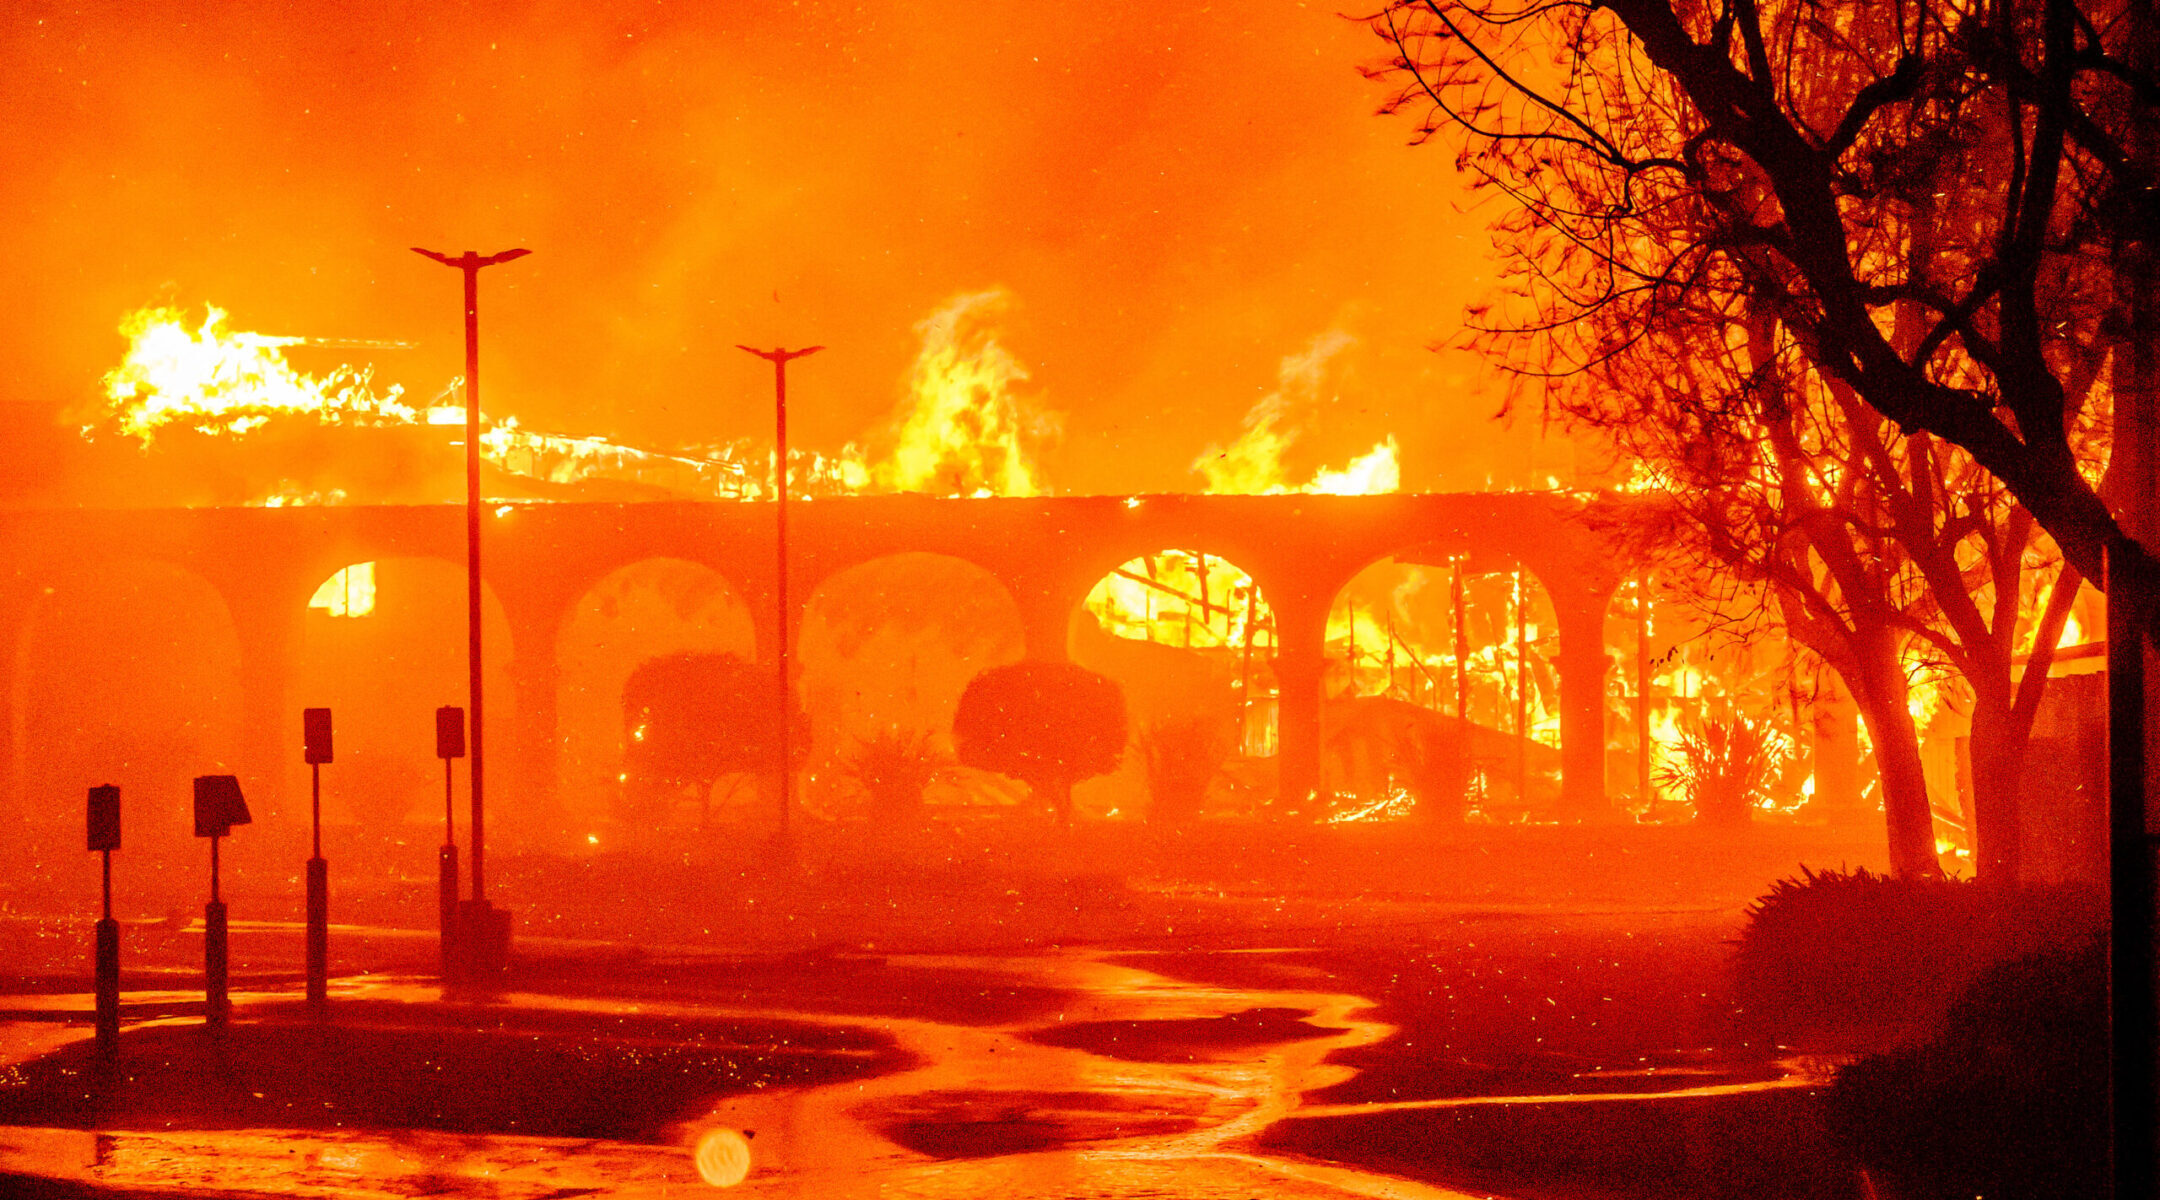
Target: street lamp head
{"points": [[470, 260], [778, 355]]}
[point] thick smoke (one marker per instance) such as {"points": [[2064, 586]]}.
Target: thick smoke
{"points": [[1177, 196]]}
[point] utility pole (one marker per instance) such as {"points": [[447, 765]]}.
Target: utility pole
{"points": [[481, 943], [779, 359]]}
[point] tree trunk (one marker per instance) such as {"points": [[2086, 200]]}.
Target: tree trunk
{"points": [[1882, 694], [1998, 765], [1057, 793], [1905, 798]]}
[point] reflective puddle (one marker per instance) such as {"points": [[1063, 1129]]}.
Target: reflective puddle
{"points": [[1142, 1085]]}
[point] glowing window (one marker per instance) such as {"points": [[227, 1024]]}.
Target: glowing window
{"points": [[349, 593]]}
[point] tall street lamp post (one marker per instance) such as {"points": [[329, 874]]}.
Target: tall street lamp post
{"points": [[779, 359], [484, 936]]}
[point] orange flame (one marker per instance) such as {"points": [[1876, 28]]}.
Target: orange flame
{"points": [[218, 380], [964, 430], [1253, 464], [221, 381]]}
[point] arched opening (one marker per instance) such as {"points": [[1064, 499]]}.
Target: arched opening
{"points": [[1192, 642], [884, 651], [383, 646], [639, 612], [1686, 703], [1441, 695], [129, 673]]}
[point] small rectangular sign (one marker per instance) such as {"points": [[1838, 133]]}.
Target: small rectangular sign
{"points": [[315, 731], [449, 732], [105, 817]]}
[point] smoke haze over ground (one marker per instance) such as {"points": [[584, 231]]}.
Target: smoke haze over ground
{"points": [[1177, 198]]}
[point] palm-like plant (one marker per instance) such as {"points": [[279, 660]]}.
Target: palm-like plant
{"points": [[895, 767], [1724, 767], [1182, 756]]}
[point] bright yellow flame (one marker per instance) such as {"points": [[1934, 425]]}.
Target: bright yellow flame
{"points": [[967, 427], [1253, 464], [2073, 634], [349, 593], [1178, 598], [1386, 656], [1927, 691], [1371, 473], [964, 431], [218, 380], [1205, 604]]}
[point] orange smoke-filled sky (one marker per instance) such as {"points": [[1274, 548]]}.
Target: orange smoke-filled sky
{"points": [[1177, 196]]}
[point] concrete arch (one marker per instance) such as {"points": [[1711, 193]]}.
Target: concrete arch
{"points": [[891, 641], [1176, 660], [124, 670], [540, 559], [1396, 695], [640, 610]]}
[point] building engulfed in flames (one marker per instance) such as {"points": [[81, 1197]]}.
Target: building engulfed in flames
{"points": [[1465, 641]]}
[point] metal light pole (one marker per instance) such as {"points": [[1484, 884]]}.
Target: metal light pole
{"points": [[470, 263], [779, 359], [482, 937]]}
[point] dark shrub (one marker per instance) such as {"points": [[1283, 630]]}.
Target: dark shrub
{"points": [[2009, 1103], [1048, 724], [1859, 959]]}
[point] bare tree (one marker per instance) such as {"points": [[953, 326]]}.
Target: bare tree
{"points": [[1843, 256]]}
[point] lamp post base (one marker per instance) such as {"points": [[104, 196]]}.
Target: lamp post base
{"points": [[479, 945]]}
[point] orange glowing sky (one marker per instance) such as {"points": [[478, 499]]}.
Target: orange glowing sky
{"points": [[1178, 197]]}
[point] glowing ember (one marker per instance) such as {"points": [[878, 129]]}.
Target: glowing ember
{"points": [[1396, 805]]}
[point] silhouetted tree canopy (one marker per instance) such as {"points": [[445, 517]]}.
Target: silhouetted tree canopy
{"points": [[691, 718], [1831, 267], [1048, 724], [1986, 166]]}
